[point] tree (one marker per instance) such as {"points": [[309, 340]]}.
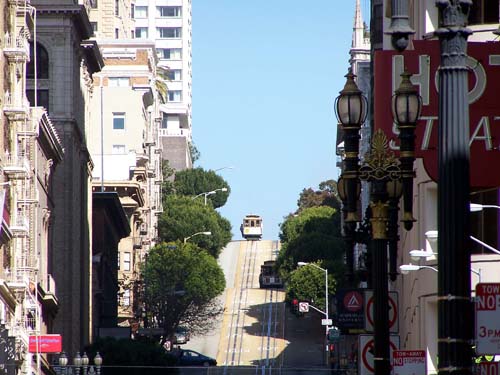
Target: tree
{"points": [[194, 152], [313, 234], [327, 195], [308, 284], [168, 172], [185, 216], [160, 81], [181, 283], [197, 181]]}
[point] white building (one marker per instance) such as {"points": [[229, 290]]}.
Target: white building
{"points": [[168, 24], [124, 144]]}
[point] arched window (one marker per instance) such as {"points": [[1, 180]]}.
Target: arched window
{"points": [[42, 62]]}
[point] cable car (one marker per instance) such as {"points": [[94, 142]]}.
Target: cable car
{"points": [[269, 277], [251, 228]]}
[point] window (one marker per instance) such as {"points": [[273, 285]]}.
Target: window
{"points": [[118, 150], [170, 121], [117, 33], [169, 32], [141, 12], [117, 7], [118, 82], [94, 27], [141, 32], [166, 11], [175, 96], [483, 12], [126, 261], [132, 11], [119, 121], [126, 297], [169, 53], [174, 75], [93, 4], [42, 62], [42, 98]]}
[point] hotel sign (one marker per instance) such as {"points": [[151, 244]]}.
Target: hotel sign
{"points": [[484, 103]]}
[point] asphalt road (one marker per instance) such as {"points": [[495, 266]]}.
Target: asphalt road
{"points": [[257, 332]]}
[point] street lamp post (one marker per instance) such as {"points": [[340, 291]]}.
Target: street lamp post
{"points": [[220, 169], [389, 179], [80, 364], [196, 234], [206, 194], [405, 268], [455, 311]]}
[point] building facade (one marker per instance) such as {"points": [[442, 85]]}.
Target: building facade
{"points": [[62, 84], [125, 146], [168, 24], [417, 290]]}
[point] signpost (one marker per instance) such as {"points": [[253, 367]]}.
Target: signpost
{"points": [[488, 368], [367, 350], [409, 362], [303, 307], [393, 312], [483, 61], [45, 344], [350, 313], [487, 318]]}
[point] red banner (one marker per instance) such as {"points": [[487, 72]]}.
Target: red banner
{"points": [[45, 344], [484, 104]]}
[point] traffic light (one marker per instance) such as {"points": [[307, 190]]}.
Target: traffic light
{"points": [[333, 334]]}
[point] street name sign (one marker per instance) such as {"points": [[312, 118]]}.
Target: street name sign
{"points": [[326, 322], [408, 362], [487, 318]]}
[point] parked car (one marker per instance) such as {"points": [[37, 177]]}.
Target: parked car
{"points": [[181, 335], [187, 357]]}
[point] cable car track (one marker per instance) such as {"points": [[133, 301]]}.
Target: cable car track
{"points": [[250, 307]]}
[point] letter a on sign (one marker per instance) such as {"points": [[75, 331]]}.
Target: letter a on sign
{"points": [[353, 301]]}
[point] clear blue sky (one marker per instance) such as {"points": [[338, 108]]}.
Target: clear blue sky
{"points": [[265, 76]]}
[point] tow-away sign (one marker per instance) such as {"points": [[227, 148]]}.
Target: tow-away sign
{"points": [[487, 318]]}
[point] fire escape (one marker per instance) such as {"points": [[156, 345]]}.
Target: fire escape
{"points": [[18, 165]]}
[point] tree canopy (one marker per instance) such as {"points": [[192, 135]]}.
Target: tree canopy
{"points": [[182, 282], [312, 234], [197, 181], [308, 284], [327, 195], [185, 216]]}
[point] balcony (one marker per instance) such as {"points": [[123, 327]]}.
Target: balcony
{"points": [[47, 292], [20, 226], [16, 166], [16, 106], [137, 243], [16, 48], [174, 132]]}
